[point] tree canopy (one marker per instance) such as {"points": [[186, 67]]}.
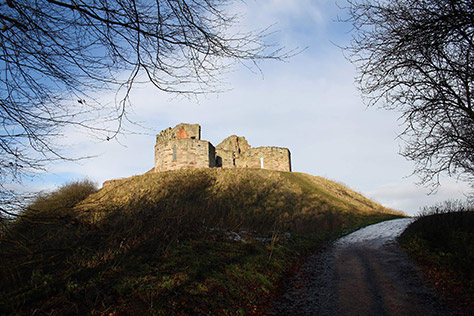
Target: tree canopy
{"points": [[55, 54], [417, 57]]}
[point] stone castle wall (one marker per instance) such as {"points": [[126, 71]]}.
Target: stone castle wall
{"points": [[184, 154], [229, 150], [181, 131], [181, 147], [272, 158]]}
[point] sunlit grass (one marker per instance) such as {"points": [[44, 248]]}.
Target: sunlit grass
{"points": [[188, 242]]}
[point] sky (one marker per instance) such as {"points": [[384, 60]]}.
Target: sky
{"points": [[309, 104]]}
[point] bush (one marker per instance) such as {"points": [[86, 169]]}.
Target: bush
{"points": [[43, 235], [450, 206], [65, 198], [443, 236]]}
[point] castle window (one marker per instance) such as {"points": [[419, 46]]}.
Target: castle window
{"points": [[175, 153]]}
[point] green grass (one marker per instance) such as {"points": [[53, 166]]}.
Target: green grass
{"points": [[442, 239], [164, 244]]}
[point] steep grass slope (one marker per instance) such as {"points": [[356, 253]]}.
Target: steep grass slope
{"points": [[188, 242], [251, 199]]}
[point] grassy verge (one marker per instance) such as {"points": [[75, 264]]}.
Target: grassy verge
{"points": [[442, 241], [211, 275], [179, 243]]}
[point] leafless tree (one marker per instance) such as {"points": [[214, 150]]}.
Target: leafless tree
{"points": [[417, 57], [55, 54]]}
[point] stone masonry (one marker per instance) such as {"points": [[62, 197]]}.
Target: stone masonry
{"points": [[181, 147]]}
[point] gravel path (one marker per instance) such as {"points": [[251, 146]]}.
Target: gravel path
{"points": [[364, 273]]}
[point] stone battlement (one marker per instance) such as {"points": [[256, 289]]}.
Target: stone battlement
{"points": [[181, 147]]}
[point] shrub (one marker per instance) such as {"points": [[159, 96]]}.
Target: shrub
{"points": [[449, 206], [443, 236], [43, 235], [65, 198]]}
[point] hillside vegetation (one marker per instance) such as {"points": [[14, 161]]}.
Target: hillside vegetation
{"points": [[442, 241], [204, 241]]}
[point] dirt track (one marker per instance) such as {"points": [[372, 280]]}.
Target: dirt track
{"points": [[364, 273]]}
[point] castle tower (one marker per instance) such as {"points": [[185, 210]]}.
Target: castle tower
{"points": [[181, 147]]}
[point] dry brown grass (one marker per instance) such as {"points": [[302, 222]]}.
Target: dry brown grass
{"points": [[73, 246], [252, 199]]}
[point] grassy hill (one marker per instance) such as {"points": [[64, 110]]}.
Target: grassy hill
{"points": [[204, 241]]}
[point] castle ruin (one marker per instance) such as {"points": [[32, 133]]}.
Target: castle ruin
{"points": [[181, 147]]}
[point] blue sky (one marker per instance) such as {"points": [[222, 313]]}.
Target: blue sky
{"points": [[309, 104]]}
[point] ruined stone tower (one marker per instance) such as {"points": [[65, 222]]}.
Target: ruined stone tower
{"points": [[181, 147]]}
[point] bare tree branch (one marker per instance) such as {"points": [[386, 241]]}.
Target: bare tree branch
{"points": [[55, 54], [416, 57]]}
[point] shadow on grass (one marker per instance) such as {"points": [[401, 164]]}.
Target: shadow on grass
{"points": [[442, 240], [160, 243]]}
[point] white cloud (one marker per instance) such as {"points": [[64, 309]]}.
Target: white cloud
{"points": [[308, 104], [409, 197], [290, 11]]}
